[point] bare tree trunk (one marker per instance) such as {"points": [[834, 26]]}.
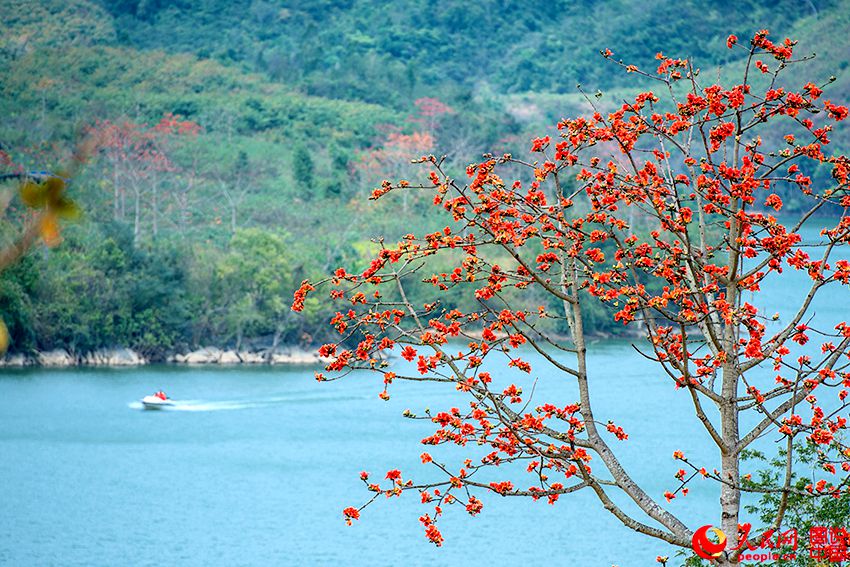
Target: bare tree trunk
{"points": [[234, 196], [730, 494], [116, 210], [137, 223], [278, 331], [154, 212], [183, 199]]}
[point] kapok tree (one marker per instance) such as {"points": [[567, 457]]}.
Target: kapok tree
{"points": [[393, 157], [690, 164], [140, 161]]}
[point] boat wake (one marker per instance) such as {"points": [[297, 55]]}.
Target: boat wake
{"points": [[228, 405], [199, 405]]}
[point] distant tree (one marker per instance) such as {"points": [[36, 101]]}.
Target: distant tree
{"points": [[237, 180], [391, 158], [302, 172], [235, 183], [140, 163], [254, 275], [694, 167], [429, 110]]}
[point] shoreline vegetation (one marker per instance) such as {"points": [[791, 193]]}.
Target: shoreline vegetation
{"points": [[122, 356], [280, 355]]}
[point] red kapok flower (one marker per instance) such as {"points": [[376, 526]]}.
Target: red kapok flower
{"points": [[408, 353], [350, 514]]}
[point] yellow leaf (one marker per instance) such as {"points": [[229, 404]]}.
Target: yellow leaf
{"points": [[33, 195], [4, 337], [54, 187], [50, 230], [66, 209]]}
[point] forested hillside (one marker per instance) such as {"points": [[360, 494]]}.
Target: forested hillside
{"points": [[232, 145]]}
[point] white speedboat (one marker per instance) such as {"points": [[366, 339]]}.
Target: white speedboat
{"points": [[156, 402]]}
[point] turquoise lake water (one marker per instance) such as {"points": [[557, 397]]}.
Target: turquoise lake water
{"points": [[258, 463]]}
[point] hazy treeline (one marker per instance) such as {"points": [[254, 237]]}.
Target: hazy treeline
{"points": [[233, 145]]}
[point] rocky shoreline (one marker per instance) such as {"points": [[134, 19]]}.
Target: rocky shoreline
{"points": [[60, 358]]}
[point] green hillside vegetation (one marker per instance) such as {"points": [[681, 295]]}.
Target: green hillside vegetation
{"points": [[374, 51], [292, 112]]}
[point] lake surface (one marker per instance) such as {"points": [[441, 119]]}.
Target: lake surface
{"points": [[258, 463], [259, 469]]}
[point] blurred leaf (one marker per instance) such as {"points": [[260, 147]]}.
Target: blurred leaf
{"points": [[53, 188], [4, 337], [50, 230], [67, 209], [33, 195]]}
